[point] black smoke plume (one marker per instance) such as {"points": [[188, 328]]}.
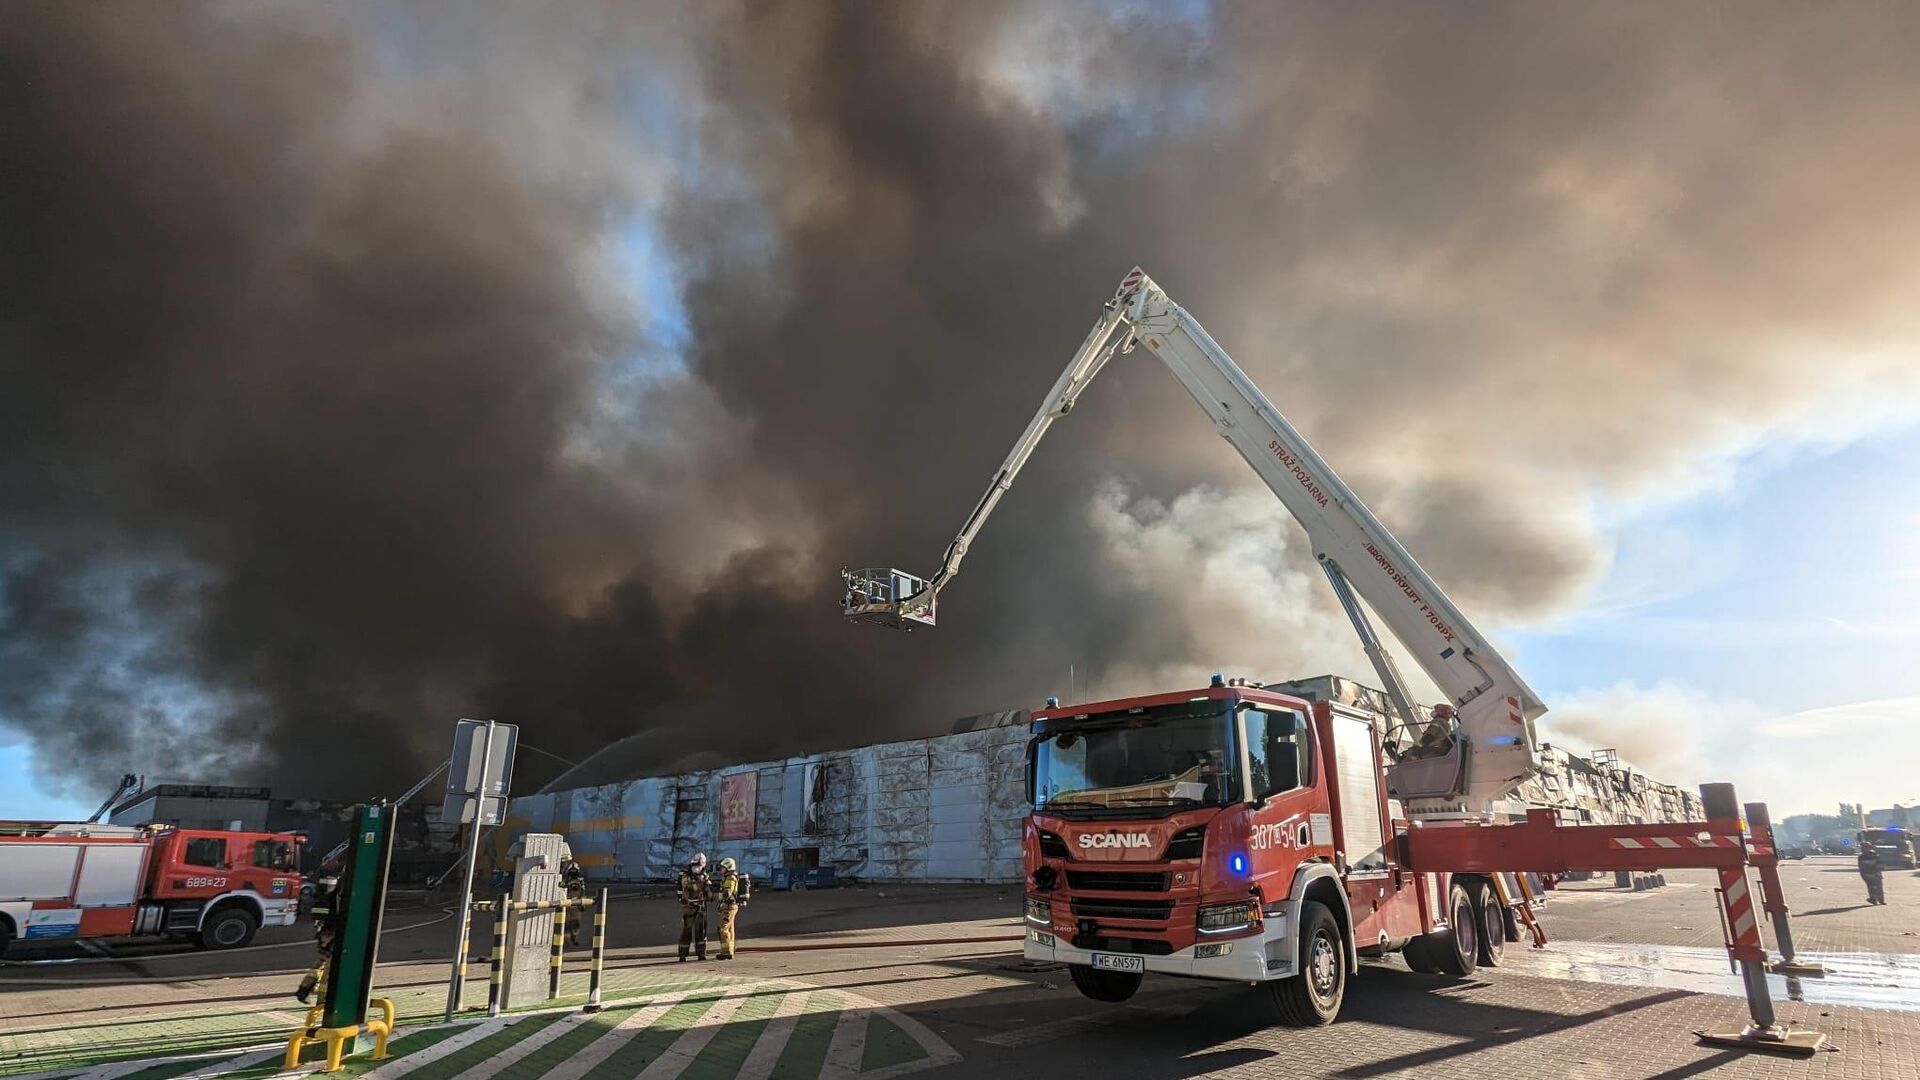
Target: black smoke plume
{"points": [[362, 369]]}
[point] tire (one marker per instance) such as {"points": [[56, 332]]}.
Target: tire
{"points": [[6, 935], [228, 928], [1312, 998], [1492, 923], [1455, 951], [1418, 958], [1105, 985]]}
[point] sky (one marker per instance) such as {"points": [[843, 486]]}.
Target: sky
{"points": [[1763, 627], [370, 366]]}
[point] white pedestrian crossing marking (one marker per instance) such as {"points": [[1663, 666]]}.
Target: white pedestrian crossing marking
{"points": [[493, 1065], [853, 1017], [695, 1039], [848, 1046], [116, 1069], [773, 1038], [603, 1047], [229, 1065], [938, 1052], [445, 1047]]}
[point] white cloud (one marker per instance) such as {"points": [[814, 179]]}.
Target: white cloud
{"points": [[1865, 719], [1683, 632], [1664, 730], [1805, 761]]}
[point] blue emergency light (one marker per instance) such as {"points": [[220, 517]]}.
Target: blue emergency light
{"points": [[1237, 863]]}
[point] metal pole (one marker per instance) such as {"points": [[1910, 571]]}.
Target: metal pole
{"points": [[558, 948], [599, 953], [495, 962], [1760, 823], [424, 781], [466, 882], [1759, 998], [466, 935]]}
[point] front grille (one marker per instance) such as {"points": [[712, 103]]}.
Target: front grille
{"points": [[1112, 908], [1117, 880], [1138, 945], [1187, 844]]}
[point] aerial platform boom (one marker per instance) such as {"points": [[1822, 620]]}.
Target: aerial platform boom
{"points": [[1493, 747]]}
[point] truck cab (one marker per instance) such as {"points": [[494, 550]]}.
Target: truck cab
{"points": [[1229, 832], [214, 888], [1894, 846], [219, 887]]}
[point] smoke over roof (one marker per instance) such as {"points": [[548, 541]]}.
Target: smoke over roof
{"points": [[367, 369]]}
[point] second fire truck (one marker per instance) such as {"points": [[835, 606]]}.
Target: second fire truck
{"points": [[80, 881]]}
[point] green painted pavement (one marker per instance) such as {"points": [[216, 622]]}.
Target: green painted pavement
{"points": [[702, 1028]]}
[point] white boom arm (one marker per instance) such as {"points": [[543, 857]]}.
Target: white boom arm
{"points": [[1495, 746]]}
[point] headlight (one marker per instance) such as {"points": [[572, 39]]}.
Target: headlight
{"points": [[1039, 911], [1227, 918]]}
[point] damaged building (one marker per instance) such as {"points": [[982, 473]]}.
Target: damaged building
{"points": [[944, 808]]}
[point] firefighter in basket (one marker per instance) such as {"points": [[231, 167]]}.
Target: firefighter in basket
{"points": [[695, 891], [327, 910], [731, 890]]}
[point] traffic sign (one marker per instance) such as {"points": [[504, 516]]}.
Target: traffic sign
{"points": [[481, 772]]}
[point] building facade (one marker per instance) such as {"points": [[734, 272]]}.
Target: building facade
{"points": [[949, 808]]}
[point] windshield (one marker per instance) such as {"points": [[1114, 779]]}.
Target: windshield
{"points": [[1172, 756], [1883, 837]]}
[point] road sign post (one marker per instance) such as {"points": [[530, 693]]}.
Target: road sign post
{"points": [[478, 778]]}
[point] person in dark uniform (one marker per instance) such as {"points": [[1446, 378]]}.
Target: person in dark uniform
{"points": [[326, 926], [1872, 873], [573, 881], [695, 892]]}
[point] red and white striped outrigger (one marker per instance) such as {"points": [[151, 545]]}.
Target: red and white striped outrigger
{"points": [[1726, 842]]}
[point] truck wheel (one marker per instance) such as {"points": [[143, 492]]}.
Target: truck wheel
{"points": [[1313, 997], [1418, 958], [1455, 951], [228, 928], [1104, 985], [6, 935], [1492, 923]]}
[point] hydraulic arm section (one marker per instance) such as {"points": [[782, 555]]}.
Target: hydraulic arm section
{"points": [[1490, 749]]}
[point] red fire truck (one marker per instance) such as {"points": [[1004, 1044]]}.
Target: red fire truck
{"points": [[99, 881], [1276, 834]]}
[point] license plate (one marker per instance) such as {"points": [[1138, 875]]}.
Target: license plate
{"points": [[1107, 962]]}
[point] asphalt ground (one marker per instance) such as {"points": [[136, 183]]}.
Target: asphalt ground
{"points": [[845, 982]]}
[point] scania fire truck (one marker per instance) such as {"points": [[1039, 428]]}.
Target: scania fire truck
{"points": [[98, 881], [1275, 834]]}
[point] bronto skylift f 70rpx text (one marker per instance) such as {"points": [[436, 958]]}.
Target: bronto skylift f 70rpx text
{"points": [[1275, 834]]}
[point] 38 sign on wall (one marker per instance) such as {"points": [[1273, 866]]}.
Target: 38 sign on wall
{"points": [[739, 795]]}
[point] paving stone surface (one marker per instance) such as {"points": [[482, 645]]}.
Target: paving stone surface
{"points": [[849, 985]]}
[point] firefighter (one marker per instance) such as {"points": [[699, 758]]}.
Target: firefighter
{"points": [[695, 891], [574, 882], [1871, 873], [730, 892], [1439, 729], [327, 908]]}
